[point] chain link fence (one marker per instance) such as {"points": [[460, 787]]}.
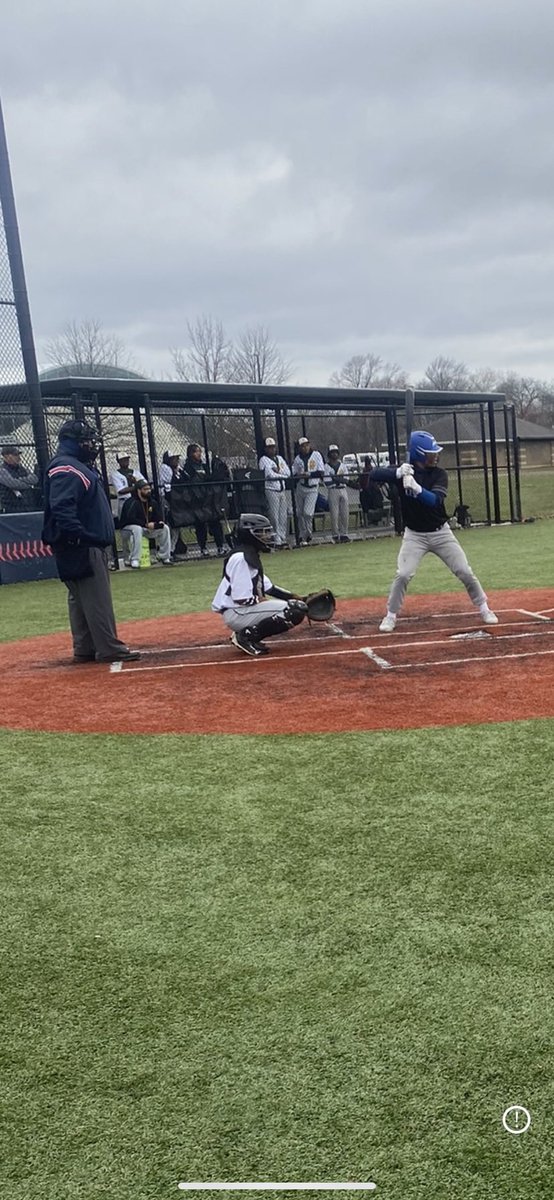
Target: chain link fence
{"points": [[482, 484]]}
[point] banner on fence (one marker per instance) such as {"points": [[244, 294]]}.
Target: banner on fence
{"points": [[23, 556]]}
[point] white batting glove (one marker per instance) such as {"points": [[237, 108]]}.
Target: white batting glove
{"points": [[405, 469], [411, 485]]}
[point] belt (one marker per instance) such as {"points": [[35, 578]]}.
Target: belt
{"points": [[270, 487]]}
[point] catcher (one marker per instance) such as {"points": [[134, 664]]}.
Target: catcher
{"points": [[251, 606]]}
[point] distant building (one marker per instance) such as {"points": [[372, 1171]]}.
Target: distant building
{"points": [[536, 443]]}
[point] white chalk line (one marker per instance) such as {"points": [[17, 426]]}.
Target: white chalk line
{"points": [[537, 615], [461, 613], [367, 650], [376, 658], [337, 629], [352, 637], [296, 1186], [482, 658], [235, 662]]}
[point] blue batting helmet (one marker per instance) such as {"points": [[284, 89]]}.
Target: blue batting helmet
{"points": [[422, 444]]}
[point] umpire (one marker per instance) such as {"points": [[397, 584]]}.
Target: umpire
{"points": [[78, 524]]}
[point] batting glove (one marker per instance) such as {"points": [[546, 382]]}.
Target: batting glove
{"points": [[411, 485], [405, 469]]}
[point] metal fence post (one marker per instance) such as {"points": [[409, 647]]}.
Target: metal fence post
{"points": [[458, 464], [485, 463], [21, 303], [494, 463], [141, 451], [152, 446], [509, 464], [517, 464]]}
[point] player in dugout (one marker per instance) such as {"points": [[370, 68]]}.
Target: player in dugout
{"points": [[422, 486]]}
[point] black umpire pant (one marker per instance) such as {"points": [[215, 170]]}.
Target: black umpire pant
{"points": [[91, 614]]}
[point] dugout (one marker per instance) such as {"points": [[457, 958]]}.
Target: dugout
{"points": [[231, 421]]}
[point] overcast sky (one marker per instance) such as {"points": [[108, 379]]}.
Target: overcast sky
{"points": [[355, 174]]}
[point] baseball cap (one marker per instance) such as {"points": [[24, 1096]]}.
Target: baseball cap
{"points": [[270, 442], [11, 450], [140, 483], [122, 454], [332, 448], [303, 441]]}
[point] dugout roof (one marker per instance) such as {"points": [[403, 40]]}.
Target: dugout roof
{"points": [[127, 392]]}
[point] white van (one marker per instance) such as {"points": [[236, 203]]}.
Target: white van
{"points": [[355, 462]]}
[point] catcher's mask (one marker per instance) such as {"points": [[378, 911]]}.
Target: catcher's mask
{"points": [[87, 439], [252, 529]]}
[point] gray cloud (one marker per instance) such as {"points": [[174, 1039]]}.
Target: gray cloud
{"points": [[355, 175]]}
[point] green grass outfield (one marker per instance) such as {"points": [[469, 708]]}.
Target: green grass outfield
{"points": [[325, 957]]}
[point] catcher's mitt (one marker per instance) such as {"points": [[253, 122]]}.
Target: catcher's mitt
{"points": [[321, 605]]}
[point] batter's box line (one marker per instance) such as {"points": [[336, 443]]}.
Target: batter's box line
{"points": [[480, 658], [315, 638]]}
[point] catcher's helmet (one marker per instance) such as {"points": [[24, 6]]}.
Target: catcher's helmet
{"points": [[252, 529], [422, 444], [86, 436]]}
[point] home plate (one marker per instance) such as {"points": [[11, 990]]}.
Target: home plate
{"points": [[460, 637]]}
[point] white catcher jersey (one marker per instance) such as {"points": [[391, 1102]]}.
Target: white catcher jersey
{"points": [[239, 587]]}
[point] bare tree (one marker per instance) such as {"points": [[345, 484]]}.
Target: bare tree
{"points": [[445, 375], [533, 399], [369, 371], [86, 348], [255, 358], [484, 379], [207, 358]]}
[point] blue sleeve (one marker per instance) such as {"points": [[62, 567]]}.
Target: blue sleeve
{"points": [[66, 489], [383, 475], [431, 499]]}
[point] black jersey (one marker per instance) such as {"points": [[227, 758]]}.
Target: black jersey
{"points": [[422, 518]]}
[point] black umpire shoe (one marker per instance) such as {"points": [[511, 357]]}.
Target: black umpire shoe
{"points": [[125, 656], [244, 643]]}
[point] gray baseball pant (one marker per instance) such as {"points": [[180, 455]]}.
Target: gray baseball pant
{"points": [[339, 510], [306, 499], [161, 537], [91, 614], [247, 616], [277, 503], [442, 543]]}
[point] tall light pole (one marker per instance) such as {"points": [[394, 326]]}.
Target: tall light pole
{"points": [[19, 301]]}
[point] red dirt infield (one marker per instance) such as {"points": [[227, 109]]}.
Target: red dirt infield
{"points": [[191, 680]]}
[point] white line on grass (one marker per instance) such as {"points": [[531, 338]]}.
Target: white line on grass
{"points": [[343, 1186]]}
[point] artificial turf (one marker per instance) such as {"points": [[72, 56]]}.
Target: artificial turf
{"points": [[324, 957], [278, 958]]}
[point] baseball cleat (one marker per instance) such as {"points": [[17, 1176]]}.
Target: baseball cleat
{"points": [[135, 564], [242, 642], [488, 617], [387, 624]]}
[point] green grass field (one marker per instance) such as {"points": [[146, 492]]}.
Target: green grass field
{"points": [[316, 957]]}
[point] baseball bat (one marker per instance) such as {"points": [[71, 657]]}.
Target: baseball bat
{"points": [[410, 404]]}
